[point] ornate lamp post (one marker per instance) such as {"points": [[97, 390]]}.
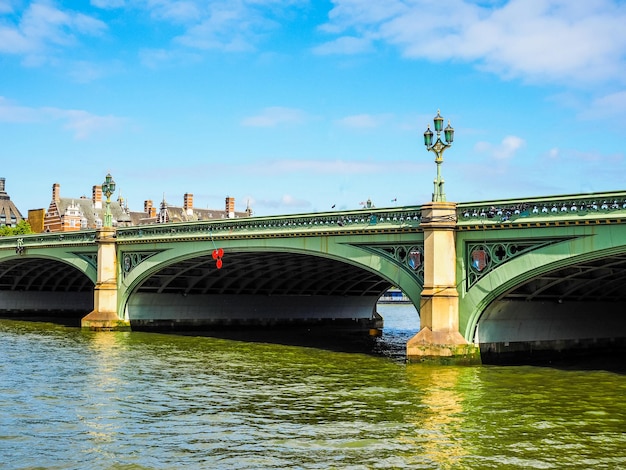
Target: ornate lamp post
{"points": [[439, 337], [108, 188], [438, 148]]}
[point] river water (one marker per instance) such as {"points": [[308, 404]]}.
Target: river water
{"points": [[96, 400]]}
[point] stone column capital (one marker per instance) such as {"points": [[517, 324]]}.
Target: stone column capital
{"points": [[438, 215]]}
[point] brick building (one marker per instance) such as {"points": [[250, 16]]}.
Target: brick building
{"points": [[71, 214]]}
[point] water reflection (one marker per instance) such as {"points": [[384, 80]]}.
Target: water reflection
{"points": [[442, 422]]}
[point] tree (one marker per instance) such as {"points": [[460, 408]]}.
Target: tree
{"points": [[22, 228]]}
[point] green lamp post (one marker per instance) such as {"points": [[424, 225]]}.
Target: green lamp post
{"points": [[108, 188], [438, 148]]}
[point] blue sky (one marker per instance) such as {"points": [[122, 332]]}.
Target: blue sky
{"points": [[296, 106]]}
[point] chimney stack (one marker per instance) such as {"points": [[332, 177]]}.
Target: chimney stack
{"points": [[188, 204], [149, 209], [230, 207], [56, 192], [96, 197]]}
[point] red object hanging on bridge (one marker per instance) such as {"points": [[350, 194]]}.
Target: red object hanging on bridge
{"points": [[217, 256]]}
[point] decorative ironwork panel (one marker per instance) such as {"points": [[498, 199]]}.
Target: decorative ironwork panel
{"points": [[91, 258], [483, 258], [409, 257], [133, 259]]}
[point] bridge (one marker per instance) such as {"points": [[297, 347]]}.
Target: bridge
{"points": [[489, 279]]}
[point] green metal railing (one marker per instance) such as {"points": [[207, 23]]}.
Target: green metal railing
{"points": [[83, 237], [608, 204], [285, 225], [605, 205]]}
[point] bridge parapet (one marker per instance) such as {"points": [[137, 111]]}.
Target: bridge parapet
{"points": [[599, 207], [84, 237], [323, 223]]}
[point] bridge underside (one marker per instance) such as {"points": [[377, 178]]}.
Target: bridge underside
{"points": [[257, 289], [578, 309], [43, 287]]}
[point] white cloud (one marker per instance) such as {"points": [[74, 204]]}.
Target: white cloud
{"points": [[85, 72], [274, 116], [555, 40], [12, 41], [223, 25], [82, 123], [152, 58], [554, 153], [176, 11], [611, 106], [155, 58], [108, 4], [352, 13], [14, 113], [42, 28], [287, 202], [505, 150], [344, 45], [363, 121]]}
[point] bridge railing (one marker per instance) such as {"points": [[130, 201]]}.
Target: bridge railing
{"points": [[18, 242], [600, 205], [604, 205], [299, 224]]}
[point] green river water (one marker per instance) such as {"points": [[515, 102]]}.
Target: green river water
{"points": [[86, 400]]}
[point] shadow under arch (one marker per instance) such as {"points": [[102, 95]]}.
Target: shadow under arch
{"points": [[559, 304], [46, 288], [280, 286]]}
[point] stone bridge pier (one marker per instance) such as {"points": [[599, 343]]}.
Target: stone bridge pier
{"points": [[104, 315], [439, 338]]}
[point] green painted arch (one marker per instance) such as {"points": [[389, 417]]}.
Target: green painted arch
{"points": [[342, 249], [579, 245], [77, 259]]}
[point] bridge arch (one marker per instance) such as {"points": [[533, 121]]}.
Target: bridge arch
{"points": [[322, 277], [35, 282], [547, 293]]}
